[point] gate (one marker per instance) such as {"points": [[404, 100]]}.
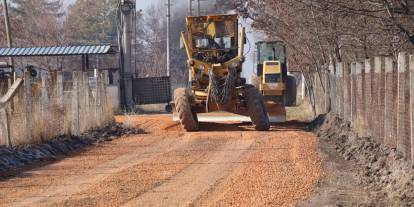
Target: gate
{"points": [[152, 90]]}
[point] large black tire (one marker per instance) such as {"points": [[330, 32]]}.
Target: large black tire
{"points": [[168, 108], [182, 100], [257, 109]]}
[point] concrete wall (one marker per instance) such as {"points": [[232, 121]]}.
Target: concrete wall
{"points": [[113, 97], [42, 110], [376, 96]]}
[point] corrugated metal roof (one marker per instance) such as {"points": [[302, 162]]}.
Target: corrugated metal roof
{"points": [[56, 51]]}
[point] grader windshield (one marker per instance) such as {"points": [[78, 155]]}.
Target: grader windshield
{"points": [[213, 39]]}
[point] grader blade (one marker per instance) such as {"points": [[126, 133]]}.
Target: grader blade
{"points": [[277, 114], [218, 116]]}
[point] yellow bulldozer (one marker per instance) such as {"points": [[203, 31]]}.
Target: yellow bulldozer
{"points": [[273, 79], [215, 50]]}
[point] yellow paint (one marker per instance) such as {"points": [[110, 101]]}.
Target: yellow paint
{"points": [[272, 67], [200, 93], [211, 29], [199, 70], [272, 89]]}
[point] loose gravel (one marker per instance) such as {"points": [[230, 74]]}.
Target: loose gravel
{"points": [[222, 165], [21, 156]]}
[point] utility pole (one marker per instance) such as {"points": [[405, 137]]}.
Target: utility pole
{"points": [[126, 8], [8, 32], [169, 37]]}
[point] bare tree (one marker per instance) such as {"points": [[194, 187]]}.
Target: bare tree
{"points": [[320, 31]]}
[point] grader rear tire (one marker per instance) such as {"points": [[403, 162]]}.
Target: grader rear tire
{"points": [[188, 119], [257, 109]]}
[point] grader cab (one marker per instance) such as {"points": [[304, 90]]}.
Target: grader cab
{"points": [[215, 51]]}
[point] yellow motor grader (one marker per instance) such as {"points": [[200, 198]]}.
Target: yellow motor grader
{"points": [[215, 49]]}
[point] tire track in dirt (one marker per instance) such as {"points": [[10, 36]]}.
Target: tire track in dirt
{"points": [[224, 165], [77, 183], [134, 181], [197, 178], [281, 172]]}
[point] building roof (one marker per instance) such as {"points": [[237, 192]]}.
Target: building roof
{"points": [[57, 51]]}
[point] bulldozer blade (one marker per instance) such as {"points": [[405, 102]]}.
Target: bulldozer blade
{"points": [[277, 112]]}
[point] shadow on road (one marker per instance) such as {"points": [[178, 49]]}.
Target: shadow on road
{"points": [[217, 127]]}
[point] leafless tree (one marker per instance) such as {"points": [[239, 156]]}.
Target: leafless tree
{"points": [[320, 31]]}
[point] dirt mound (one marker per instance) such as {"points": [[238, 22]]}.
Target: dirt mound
{"points": [[378, 168], [25, 155]]}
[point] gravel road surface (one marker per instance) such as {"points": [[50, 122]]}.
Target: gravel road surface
{"points": [[222, 165]]}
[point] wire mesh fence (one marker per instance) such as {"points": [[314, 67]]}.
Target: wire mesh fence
{"points": [[375, 96]]}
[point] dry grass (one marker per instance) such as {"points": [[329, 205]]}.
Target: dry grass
{"points": [[303, 112]]}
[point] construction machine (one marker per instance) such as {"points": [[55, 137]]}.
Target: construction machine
{"points": [[215, 50], [272, 78]]}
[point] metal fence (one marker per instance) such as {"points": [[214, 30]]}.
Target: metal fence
{"points": [[152, 90]]}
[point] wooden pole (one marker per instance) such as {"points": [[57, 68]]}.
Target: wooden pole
{"points": [[8, 32]]}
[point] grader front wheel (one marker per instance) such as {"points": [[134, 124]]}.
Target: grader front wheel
{"points": [[188, 119], [257, 109]]}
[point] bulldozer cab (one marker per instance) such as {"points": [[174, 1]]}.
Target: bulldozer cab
{"points": [[212, 39], [272, 69], [271, 51]]}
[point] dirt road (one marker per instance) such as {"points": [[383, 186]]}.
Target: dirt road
{"points": [[223, 165]]}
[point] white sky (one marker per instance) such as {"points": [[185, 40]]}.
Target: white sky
{"points": [[142, 4]]}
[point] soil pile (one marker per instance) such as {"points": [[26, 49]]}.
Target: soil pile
{"points": [[25, 155], [379, 168]]}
